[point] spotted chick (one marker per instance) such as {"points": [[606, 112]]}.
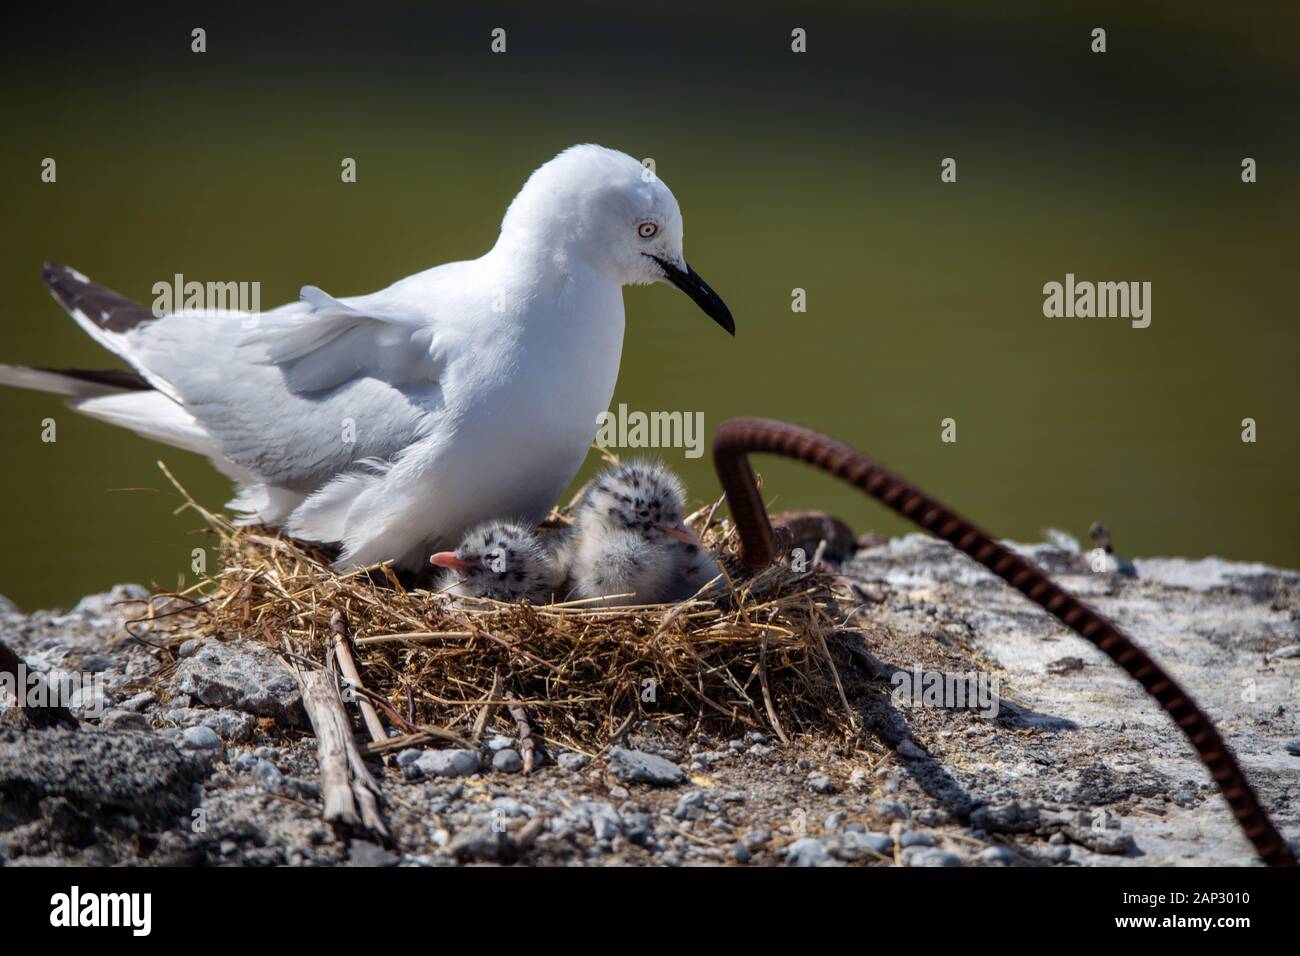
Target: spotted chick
{"points": [[629, 538], [503, 560]]}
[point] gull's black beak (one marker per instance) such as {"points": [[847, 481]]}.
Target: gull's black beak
{"points": [[700, 293]]}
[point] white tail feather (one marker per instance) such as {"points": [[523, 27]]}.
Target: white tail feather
{"points": [[55, 383], [152, 415]]}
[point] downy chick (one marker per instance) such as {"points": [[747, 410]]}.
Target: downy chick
{"points": [[502, 560], [628, 538]]}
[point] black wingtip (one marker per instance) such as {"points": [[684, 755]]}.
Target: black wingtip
{"points": [[106, 308]]}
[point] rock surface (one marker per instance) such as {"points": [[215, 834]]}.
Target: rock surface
{"points": [[1076, 766], [242, 677]]}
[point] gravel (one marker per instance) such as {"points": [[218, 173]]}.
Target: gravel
{"points": [[1082, 771], [243, 677]]}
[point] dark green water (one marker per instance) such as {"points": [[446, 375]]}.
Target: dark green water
{"points": [[924, 299]]}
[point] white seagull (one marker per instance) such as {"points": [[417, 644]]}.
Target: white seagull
{"points": [[390, 423]]}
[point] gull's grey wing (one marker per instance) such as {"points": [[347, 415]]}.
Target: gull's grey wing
{"points": [[302, 394], [332, 342]]}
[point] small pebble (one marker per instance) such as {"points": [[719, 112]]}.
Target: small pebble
{"points": [[926, 856], [95, 663], [140, 701], [268, 776], [448, 763], [200, 738], [124, 720], [635, 766], [507, 761], [908, 750], [892, 809], [820, 783], [997, 856], [914, 838], [570, 760], [807, 852]]}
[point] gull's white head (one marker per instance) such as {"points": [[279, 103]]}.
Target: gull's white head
{"points": [[605, 208]]}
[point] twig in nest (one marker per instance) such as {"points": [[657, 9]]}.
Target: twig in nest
{"points": [[767, 693], [513, 649], [348, 666], [617, 736], [525, 730], [423, 734], [484, 715], [349, 791]]}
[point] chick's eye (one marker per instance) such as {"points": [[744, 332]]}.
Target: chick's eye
{"points": [[647, 230]]}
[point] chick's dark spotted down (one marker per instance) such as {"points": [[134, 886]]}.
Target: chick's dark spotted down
{"points": [[630, 544], [502, 560]]}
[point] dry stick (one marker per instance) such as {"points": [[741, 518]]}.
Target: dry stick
{"points": [[423, 734], [525, 729], [484, 715], [835, 673], [348, 666], [617, 736], [511, 648], [767, 694], [415, 637], [346, 783]]}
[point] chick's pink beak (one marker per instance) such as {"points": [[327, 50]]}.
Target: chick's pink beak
{"points": [[681, 532], [448, 559]]}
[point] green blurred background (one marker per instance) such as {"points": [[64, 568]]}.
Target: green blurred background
{"points": [[818, 171]]}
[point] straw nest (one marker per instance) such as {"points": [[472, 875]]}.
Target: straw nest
{"points": [[752, 652]]}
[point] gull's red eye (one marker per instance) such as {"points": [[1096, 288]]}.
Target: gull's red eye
{"points": [[647, 230]]}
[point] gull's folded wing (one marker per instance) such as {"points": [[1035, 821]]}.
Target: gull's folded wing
{"points": [[333, 342]]}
